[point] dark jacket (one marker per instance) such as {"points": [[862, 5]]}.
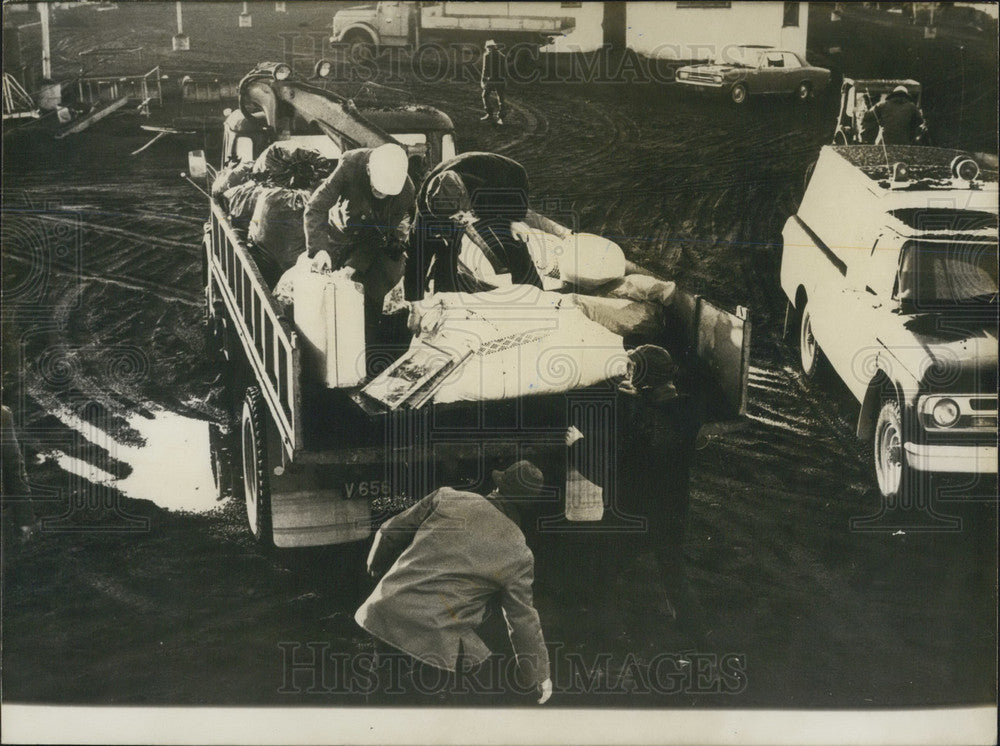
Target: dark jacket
{"points": [[498, 190], [370, 221], [899, 118], [444, 559], [494, 66]]}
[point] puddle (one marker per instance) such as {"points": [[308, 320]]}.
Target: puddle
{"points": [[172, 467]]}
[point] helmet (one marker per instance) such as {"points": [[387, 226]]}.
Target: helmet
{"points": [[901, 89], [387, 165]]}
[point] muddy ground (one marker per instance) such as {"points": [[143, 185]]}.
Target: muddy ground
{"points": [[162, 605]]}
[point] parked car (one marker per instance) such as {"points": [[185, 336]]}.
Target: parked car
{"points": [[754, 69], [901, 302]]}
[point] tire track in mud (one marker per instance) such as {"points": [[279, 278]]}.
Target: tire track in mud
{"points": [[149, 288], [107, 230]]}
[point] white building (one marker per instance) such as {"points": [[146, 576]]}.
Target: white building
{"points": [[702, 30], [676, 30]]}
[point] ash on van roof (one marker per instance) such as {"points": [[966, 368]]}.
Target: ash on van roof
{"points": [[876, 161]]}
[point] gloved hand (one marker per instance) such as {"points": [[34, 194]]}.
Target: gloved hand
{"points": [[544, 691], [321, 262], [521, 234], [573, 434], [465, 217]]}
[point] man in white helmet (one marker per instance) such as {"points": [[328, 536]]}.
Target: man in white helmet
{"points": [[359, 216]]}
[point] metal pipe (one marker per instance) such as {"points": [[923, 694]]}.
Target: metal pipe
{"points": [[43, 13], [180, 20]]}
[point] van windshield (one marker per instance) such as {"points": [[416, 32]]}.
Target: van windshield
{"points": [[938, 274]]}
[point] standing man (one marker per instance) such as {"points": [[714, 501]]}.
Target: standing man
{"points": [[655, 431], [477, 195], [493, 81], [358, 218], [441, 562], [898, 119]]}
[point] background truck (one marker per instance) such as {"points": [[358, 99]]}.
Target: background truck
{"points": [[398, 24], [314, 465], [890, 269]]}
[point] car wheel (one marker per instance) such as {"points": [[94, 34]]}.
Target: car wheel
{"points": [[809, 352], [253, 447], [739, 94], [887, 451], [803, 92]]}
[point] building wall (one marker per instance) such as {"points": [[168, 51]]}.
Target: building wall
{"points": [[701, 31], [664, 29]]}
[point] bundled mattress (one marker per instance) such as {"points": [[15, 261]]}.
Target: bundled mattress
{"points": [[523, 341]]}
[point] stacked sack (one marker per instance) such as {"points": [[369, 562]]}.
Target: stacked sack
{"points": [[288, 174], [229, 177], [267, 197], [289, 165], [276, 224]]}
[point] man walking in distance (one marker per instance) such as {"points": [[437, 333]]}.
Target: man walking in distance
{"points": [[494, 81], [441, 562]]}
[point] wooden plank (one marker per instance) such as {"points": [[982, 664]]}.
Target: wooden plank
{"points": [[81, 124]]}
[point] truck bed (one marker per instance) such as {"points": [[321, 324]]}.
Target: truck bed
{"points": [[711, 345], [446, 17]]}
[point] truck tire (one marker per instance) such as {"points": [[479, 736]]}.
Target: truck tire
{"points": [[809, 352], [891, 471], [738, 93], [360, 45], [253, 450]]}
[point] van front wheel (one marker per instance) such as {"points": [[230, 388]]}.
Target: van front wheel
{"points": [[891, 471], [809, 352]]}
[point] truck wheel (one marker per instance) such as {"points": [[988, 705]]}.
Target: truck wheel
{"points": [[256, 485], [739, 94], [803, 92], [360, 45], [887, 448], [809, 352]]}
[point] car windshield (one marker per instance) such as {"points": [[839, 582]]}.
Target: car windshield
{"points": [[936, 274], [739, 56]]}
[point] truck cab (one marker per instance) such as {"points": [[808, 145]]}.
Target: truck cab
{"points": [[900, 299], [384, 23], [275, 106], [395, 24]]}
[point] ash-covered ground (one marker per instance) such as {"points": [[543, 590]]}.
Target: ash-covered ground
{"points": [[176, 605]]}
